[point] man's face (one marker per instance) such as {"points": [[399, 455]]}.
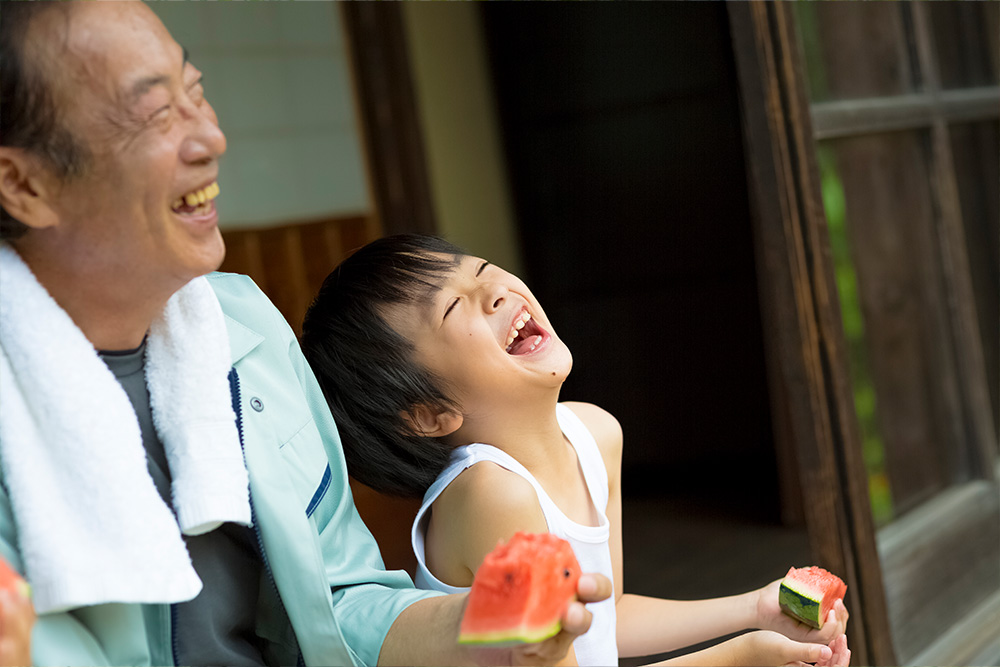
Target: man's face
{"points": [[487, 337], [125, 90]]}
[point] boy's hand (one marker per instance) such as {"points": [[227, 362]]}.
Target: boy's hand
{"points": [[576, 621], [770, 617], [765, 647], [17, 617], [841, 654]]}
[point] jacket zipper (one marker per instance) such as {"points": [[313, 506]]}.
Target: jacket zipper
{"points": [[173, 632], [234, 385]]}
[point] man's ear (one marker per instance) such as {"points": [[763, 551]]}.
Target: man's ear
{"points": [[432, 422], [26, 188]]}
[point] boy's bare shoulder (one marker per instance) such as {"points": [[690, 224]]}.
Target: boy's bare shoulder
{"points": [[487, 504], [601, 424], [486, 485]]}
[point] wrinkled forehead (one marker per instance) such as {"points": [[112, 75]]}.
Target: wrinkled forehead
{"points": [[100, 48]]}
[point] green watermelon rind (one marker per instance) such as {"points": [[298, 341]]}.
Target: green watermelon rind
{"points": [[509, 638], [802, 604]]}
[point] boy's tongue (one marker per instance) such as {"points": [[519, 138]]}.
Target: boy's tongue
{"points": [[523, 344]]}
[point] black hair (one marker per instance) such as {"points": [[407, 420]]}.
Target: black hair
{"points": [[29, 114], [367, 370]]}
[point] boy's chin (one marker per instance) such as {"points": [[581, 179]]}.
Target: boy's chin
{"points": [[561, 370]]}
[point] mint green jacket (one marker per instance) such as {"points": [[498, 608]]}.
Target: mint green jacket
{"points": [[328, 599]]}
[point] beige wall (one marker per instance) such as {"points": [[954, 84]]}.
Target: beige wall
{"points": [[278, 76], [460, 130]]}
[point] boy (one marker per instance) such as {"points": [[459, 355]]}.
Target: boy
{"points": [[426, 354]]}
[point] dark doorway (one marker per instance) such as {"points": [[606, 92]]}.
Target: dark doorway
{"points": [[622, 129]]}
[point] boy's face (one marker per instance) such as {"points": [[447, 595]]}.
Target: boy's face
{"points": [[487, 337]]}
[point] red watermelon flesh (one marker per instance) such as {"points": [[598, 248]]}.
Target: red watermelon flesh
{"points": [[808, 594], [10, 580], [520, 591]]}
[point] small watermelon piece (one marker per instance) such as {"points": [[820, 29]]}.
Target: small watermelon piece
{"points": [[807, 594], [520, 591], [12, 581]]}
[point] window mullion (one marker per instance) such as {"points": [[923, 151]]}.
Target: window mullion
{"points": [[957, 276]]}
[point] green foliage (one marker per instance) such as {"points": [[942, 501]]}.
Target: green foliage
{"points": [[865, 403]]}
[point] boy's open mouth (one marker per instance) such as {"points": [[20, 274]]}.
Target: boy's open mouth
{"points": [[196, 201], [524, 335]]}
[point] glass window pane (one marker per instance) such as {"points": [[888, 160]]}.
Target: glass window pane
{"points": [[873, 447], [855, 50], [965, 38], [975, 147], [895, 315]]}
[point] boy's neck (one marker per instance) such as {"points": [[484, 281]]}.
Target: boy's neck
{"points": [[528, 430]]}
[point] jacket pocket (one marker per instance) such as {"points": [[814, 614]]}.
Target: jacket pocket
{"points": [[308, 462]]}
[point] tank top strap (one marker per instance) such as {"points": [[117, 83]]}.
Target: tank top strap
{"points": [[479, 452], [463, 458], [588, 453]]}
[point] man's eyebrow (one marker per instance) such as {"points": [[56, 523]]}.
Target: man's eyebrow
{"points": [[145, 84], [481, 268]]}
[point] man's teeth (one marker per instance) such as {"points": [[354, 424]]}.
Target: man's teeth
{"points": [[516, 328], [198, 197]]}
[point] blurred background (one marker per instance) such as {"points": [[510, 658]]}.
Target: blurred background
{"points": [[768, 232]]}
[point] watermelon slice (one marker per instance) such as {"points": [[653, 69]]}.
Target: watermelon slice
{"points": [[10, 580], [807, 594], [520, 591]]}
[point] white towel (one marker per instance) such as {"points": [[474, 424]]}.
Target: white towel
{"points": [[91, 526]]}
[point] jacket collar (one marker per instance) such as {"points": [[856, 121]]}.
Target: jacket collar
{"points": [[242, 339]]}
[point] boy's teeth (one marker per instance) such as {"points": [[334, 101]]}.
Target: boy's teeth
{"points": [[516, 328]]}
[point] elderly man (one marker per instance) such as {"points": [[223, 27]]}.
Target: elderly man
{"points": [[172, 481]]}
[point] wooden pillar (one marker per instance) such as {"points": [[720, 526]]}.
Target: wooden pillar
{"points": [[806, 348]]}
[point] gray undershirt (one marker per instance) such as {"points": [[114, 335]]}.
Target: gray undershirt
{"points": [[217, 627]]}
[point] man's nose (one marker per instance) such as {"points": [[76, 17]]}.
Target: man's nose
{"points": [[205, 141]]}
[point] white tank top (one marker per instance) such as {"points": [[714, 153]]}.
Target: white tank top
{"points": [[590, 543]]}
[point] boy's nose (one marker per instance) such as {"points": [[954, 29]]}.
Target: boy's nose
{"points": [[493, 297]]}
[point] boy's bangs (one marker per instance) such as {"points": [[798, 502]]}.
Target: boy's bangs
{"points": [[416, 277]]}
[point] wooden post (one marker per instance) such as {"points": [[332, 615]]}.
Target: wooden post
{"points": [[806, 349]]}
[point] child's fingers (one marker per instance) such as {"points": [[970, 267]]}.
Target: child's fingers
{"points": [[819, 653], [840, 656]]}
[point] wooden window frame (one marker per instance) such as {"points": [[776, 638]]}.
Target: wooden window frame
{"points": [[807, 354]]}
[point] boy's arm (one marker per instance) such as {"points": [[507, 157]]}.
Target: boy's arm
{"points": [[466, 523], [765, 648], [649, 625], [465, 527]]}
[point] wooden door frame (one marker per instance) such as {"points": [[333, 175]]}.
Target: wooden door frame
{"points": [[394, 147], [806, 351]]}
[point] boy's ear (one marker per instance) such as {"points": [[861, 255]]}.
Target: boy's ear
{"points": [[432, 422], [25, 188]]}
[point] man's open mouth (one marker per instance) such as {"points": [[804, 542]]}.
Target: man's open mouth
{"points": [[197, 201], [524, 335]]}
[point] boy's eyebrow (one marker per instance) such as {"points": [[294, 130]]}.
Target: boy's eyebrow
{"points": [[483, 266]]}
